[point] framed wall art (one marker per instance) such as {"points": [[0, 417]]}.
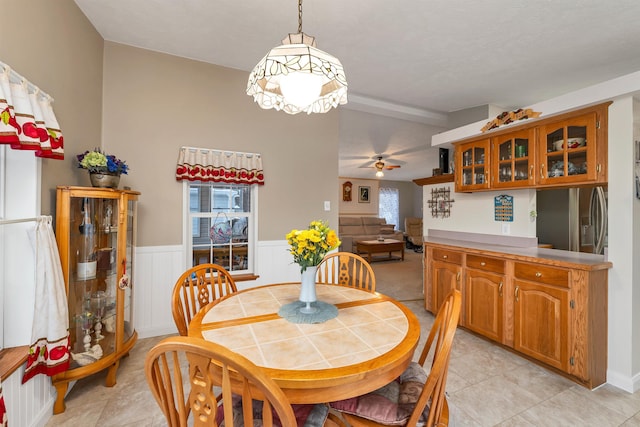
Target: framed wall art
{"points": [[363, 194]]}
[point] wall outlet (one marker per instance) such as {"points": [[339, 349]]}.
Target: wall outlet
{"points": [[506, 228], [327, 205]]}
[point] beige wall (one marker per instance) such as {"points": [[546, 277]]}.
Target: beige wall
{"points": [[53, 45], [156, 103]]}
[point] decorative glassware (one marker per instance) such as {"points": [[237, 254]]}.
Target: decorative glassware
{"points": [[98, 305]]}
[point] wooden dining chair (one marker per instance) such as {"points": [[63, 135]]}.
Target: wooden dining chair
{"points": [[182, 372], [346, 269], [197, 287], [418, 395]]}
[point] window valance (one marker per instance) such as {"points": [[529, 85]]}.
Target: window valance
{"points": [[27, 121], [201, 164]]}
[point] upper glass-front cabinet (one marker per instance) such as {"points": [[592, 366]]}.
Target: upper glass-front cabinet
{"points": [[513, 159], [95, 231], [567, 150], [472, 162]]}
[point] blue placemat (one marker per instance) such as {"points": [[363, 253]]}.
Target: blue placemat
{"points": [[323, 312]]}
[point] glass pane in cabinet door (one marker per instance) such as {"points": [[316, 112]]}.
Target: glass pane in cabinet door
{"points": [[129, 262], [521, 171], [479, 174], [466, 177], [93, 245], [521, 147], [504, 148], [467, 157], [478, 155], [555, 140]]}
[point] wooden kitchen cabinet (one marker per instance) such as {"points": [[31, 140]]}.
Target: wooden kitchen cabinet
{"points": [[550, 308], [561, 150], [568, 150], [472, 170], [541, 313], [445, 274], [96, 236], [483, 289], [513, 159]]}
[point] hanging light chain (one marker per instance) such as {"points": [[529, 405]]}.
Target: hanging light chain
{"points": [[299, 16]]}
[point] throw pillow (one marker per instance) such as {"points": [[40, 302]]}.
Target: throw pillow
{"points": [[391, 404], [306, 415], [387, 229]]}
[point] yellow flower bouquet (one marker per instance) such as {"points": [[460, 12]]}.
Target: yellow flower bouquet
{"points": [[309, 246]]}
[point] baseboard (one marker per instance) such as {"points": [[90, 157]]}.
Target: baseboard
{"points": [[628, 384]]}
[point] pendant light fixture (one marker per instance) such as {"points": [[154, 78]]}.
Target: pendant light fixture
{"points": [[296, 76]]}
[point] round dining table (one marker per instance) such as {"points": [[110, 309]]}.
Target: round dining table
{"points": [[368, 344]]}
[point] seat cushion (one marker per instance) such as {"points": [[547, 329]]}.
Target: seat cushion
{"points": [[306, 415], [392, 404]]}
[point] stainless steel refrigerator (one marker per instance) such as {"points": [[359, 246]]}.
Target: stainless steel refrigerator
{"points": [[573, 219]]}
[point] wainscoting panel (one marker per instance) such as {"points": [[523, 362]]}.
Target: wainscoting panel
{"points": [[158, 267], [29, 404]]}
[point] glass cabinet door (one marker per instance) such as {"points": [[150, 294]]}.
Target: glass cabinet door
{"points": [[567, 150], [126, 282], [473, 158], [513, 159], [92, 280]]}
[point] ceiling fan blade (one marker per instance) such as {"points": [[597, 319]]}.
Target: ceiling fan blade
{"points": [[389, 167]]}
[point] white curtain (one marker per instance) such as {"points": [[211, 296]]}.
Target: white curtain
{"points": [[389, 206], [49, 351]]}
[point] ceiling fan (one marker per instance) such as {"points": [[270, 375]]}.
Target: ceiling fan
{"points": [[380, 166]]}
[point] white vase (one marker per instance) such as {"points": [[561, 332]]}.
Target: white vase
{"points": [[308, 288]]}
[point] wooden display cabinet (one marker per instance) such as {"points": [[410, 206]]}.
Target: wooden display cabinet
{"points": [[568, 150], [472, 165], [513, 159], [95, 232]]}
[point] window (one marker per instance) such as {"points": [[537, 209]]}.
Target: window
{"points": [[221, 219], [389, 205]]}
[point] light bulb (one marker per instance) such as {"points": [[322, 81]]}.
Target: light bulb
{"points": [[379, 174], [301, 88]]}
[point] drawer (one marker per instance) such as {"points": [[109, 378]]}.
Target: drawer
{"points": [[485, 263], [542, 274], [448, 256]]}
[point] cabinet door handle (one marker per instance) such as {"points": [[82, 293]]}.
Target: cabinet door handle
{"points": [[538, 274], [517, 292], [531, 172], [542, 171], [482, 263], [458, 276], [445, 256], [500, 289]]}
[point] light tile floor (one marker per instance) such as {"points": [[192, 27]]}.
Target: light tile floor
{"points": [[488, 386]]}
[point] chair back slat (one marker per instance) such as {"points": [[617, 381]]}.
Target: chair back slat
{"points": [[197, 287], [346, 269]]}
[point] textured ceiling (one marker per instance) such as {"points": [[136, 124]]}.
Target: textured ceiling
{"points": [[427, 57]]}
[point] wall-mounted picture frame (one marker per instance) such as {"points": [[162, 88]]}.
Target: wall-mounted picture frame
{"points": [[363, 194]]}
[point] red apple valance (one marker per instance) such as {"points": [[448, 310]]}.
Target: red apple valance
{"points": [[209, 165], [27, 121]]}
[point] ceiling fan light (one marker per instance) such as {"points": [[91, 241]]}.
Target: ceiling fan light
{"points": [[379, 174]]}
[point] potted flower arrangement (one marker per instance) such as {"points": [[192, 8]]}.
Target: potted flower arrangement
{"points": [[104, 169], [308, 248]]}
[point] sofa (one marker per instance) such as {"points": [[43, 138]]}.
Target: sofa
{"points": [[354, 228]]}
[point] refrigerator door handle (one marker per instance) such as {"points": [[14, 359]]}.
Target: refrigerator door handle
{"points": [[599, 217]]}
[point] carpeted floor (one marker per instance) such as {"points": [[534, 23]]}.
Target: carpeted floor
{"points": [[401, 280]]}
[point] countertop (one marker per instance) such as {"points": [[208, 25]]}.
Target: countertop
{"points": [[557, 257]]}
